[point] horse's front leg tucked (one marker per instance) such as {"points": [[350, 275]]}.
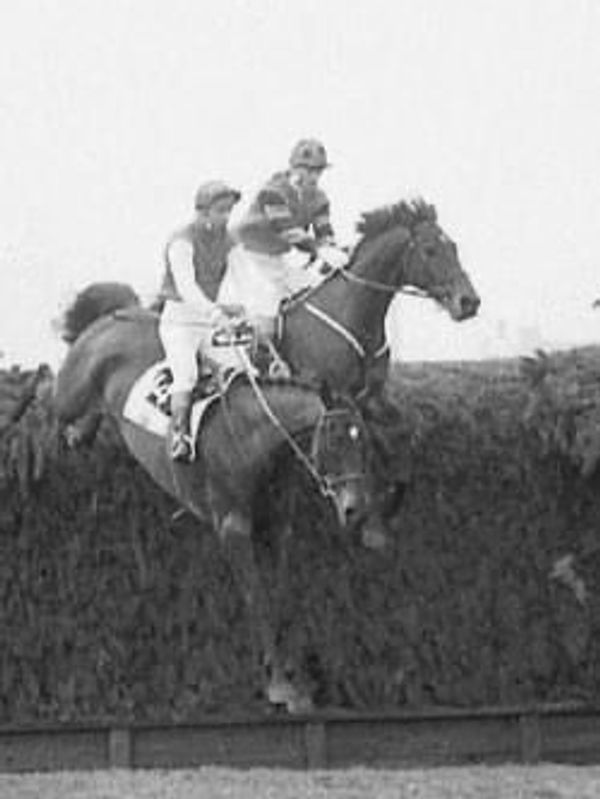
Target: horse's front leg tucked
{"points": [[235, 532]]}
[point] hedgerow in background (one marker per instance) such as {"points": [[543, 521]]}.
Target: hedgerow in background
{"points": [[113, 605]]}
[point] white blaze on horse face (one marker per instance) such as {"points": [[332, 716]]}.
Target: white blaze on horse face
{"points": [[349, 501], [354, 432]]}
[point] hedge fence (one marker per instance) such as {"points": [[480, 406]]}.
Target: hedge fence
{"points": [[115, 606]]}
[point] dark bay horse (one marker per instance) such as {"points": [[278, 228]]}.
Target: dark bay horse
{"points": [[112, 342], [337, 329]]}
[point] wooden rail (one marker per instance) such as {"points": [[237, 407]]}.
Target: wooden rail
{"points": [[556, 733]]}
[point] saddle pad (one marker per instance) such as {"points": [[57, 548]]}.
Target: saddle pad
{"points": [[148, 403]]}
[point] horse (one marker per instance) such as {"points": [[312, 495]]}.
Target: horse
{"points": [[335, 330], [113, 340]]}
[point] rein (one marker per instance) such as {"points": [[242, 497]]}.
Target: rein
{"points": [[323, 483], [379, 286], [376, 285]]}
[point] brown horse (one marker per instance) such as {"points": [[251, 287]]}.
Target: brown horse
{"points": [[337, 330], [239, 448]]}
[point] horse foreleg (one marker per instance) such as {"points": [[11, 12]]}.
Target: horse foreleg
{"points": [[235, 532], [83, 431]]}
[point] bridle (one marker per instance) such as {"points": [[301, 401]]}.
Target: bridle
{"points": [[378, 285], [322, 430], [324, 482], [375, 285]]}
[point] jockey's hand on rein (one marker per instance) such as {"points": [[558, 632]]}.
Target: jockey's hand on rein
{"points": [[333, 256], [301, 239]]}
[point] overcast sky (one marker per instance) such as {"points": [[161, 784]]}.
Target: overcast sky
{"points": [[112, 111]]}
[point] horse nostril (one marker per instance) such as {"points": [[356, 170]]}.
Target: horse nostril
{"points": [[469, 305]]}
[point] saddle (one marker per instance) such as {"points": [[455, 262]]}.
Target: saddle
{"points": [[149, 402], [253, 351]]}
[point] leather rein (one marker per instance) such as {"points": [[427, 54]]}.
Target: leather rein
{"points": [[343, 331]]}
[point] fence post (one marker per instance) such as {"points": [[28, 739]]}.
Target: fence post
{"points": [[531, 738], [119, 748], [315, 742]]}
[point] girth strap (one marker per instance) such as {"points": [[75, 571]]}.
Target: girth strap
{"points": [[346, 334]]}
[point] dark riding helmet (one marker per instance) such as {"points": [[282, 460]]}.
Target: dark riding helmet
{"points": [[310, 153], [214, 190]]}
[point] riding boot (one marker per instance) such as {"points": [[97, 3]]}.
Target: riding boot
{"points": [[182, 445]]}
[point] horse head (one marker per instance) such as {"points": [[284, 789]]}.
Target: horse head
{"points": [[429, 259], [341, 457]]}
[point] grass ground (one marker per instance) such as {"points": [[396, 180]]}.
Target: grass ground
{"points": [[506, 782]]}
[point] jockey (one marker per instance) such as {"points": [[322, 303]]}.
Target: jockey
{"points": [[290, 211], [195, 262]]}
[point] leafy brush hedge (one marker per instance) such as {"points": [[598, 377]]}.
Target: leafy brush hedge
{"points": [[112, 605]]}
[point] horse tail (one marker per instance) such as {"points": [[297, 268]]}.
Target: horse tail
{"points": [[96, 300]]}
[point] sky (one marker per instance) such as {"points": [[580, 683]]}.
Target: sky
{"points": [[113, 111]]}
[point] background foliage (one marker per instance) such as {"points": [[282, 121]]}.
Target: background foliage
{"points": [[113, 604]]}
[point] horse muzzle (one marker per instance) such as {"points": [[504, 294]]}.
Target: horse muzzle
{"points": [[350, 502], [463, 306]]}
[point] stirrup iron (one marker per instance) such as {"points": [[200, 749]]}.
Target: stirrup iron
{"points": [[182, 448]]}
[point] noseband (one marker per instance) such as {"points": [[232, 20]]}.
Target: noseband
{"points": [[375, 285]]}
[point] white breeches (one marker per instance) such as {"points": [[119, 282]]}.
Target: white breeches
{"points": [[254, 280], [184, 331], [260, 282]]}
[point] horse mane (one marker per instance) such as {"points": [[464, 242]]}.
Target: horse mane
{"points": [[96, 300], [406, 214]]}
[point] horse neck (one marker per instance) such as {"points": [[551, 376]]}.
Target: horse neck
{"points": [[365, 306]]}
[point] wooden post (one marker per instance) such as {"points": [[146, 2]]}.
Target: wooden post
{"points": [[315, 742], [119, 748], [531, 738]]}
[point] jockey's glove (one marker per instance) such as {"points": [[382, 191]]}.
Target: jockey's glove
{"points": [[333, 256], [301, 239]]}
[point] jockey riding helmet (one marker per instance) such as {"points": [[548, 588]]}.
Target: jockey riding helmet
{"points": [[214, 190], [309, 153]]}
